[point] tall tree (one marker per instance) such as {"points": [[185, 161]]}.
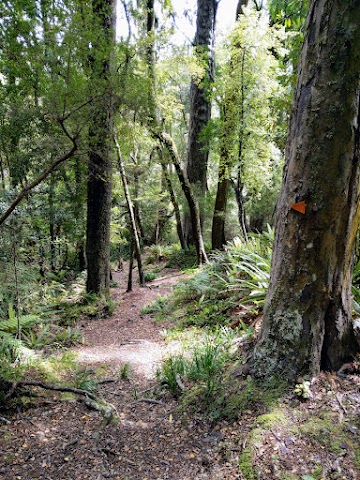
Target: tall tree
{"points": [[249, 90], [100, 140], [307, 320], [200, 104]]}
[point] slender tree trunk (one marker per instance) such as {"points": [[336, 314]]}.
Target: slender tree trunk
{"points": [[137, 211], [239, 8], [218, 225], [162, 216], [308, 319], [99, 185], [131, 266], [239, 195], [150, 60], [175, 204], [200, 106], [239, 177], [134, 231], [169, 144], [228, 122], [2, 173]]}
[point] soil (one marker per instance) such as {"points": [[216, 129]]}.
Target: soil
{"points": [[59, 438]]}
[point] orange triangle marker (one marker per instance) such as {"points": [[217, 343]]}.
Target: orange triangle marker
{"points": [[299, 207]]}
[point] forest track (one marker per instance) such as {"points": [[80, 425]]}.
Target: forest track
{"points": [[60, 439]]}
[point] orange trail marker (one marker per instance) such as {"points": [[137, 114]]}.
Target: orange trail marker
{"points": [[299, 207]]}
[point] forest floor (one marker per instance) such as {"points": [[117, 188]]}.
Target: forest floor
{"points": [[58, 438]]}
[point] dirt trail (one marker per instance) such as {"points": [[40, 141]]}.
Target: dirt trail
{"points": [[63, 440]]}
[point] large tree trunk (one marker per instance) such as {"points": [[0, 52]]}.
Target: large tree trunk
{"points": [[100, 167], [200, 105], [307, 319]]}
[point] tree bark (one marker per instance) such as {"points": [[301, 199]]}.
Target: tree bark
{"points": [[169, 144], [99, 185], [200, 106], [131, 265], [218, 225], [175, 204], [52, 225], [137, 211], [134, 233], [150, 61], [307, 320]]}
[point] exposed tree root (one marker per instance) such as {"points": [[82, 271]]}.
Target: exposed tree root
{"points": [[48, 386], [90, 400]]}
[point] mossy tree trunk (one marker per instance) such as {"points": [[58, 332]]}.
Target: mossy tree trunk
{"points": [[307, 320], [99, 184]]}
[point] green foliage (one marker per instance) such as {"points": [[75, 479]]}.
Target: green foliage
{"points": [[11, 324], [196, 375], [291, 14], [245, 267], [150, 276], [196, 288], [303, 389], [83, 379], [159, 253], [170, 371], [253, 107], [246, 465], [182, 259], [160, 306], [124, 371]]}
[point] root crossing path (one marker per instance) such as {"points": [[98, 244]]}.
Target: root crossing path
{"points": [[62, 439]]}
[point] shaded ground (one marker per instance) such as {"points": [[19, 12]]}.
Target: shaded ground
{"points": [[59, 438], [65, 440]]}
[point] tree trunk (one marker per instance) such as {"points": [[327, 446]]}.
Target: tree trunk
{"points": [[169, 144], [218, 226], [99, 185], [175, 204], [131, 265], [162, 216], [52, 224], [307, 319], [134, 232], [200, 105], [150, 59], [137, 211]]}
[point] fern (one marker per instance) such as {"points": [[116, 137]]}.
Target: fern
{"points": [[26, 323], [9, 345]]}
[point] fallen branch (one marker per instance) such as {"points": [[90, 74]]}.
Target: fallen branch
{"points": [[5, 420], [337, 396], [107, 380], [179, 382], [148, 400]]}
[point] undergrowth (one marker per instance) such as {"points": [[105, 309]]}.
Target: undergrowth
{"points": [[238, 275], [28, 341]]}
